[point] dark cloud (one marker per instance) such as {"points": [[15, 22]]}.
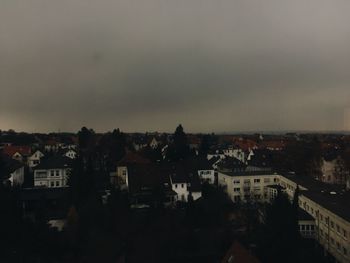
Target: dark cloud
{"points": [[151, 64]]}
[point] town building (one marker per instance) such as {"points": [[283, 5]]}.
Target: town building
{"points": [[53, 172], [34, 159]]}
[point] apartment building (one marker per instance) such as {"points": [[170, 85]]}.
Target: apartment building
{"points": [[247, 186], [328, 205]]}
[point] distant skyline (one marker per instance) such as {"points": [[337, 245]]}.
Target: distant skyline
{"points": [[146, 65]]}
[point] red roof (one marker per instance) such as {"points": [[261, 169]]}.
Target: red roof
{"points": [[238, 254], [245, 144], [11, 150]]}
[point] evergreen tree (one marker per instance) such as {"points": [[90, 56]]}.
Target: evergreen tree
{"points": [[179, 149]]}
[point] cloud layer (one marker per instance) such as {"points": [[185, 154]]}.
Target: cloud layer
{"points": [[145, 65]]}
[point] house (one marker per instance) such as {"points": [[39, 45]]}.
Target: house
{"points": [[19, 153], [52, 145], [120, 178], [154, 143], [185, 181], [333, 169], [70, 153], [53, 172], [11, 172], [148, 185], [34, 159], [139, 142]]}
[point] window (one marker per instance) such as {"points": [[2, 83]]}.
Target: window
{"points": [[52, 184], [338, 228], [338, 245], [182, 185], [236, 181], [175, 185], [274, 180], [332, 224], [344, 233], [321, 217], [345, 252], [52, 173], [236, 189], [256, 180], [57, 172], [57, 183], [266, 180]]}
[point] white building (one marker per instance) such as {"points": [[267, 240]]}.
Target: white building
{"points": [[52, 173], [207, 175], [154, 143], [330, 212], [70, 154], [247, 186], [34, 159]]}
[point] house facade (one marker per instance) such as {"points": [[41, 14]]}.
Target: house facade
{"points": [[247, 186], [52, 173], [34, 159]]}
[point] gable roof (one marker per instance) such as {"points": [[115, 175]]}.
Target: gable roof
{"points": [[10, 150], [54, 162]]}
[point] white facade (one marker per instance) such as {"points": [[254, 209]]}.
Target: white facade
{"points": [[334, 171], [331, 231], [51, 178], [182, 190], [247, 187], [17, 176], [207, 176], [154, 143], [70, 154], [34, 159]]}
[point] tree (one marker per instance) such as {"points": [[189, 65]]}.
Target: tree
{"points": [[179, 149], [86, 138], [280, 236], [205, 145]]}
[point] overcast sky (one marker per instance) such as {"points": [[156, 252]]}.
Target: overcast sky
{"points": [[146, 65]]}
